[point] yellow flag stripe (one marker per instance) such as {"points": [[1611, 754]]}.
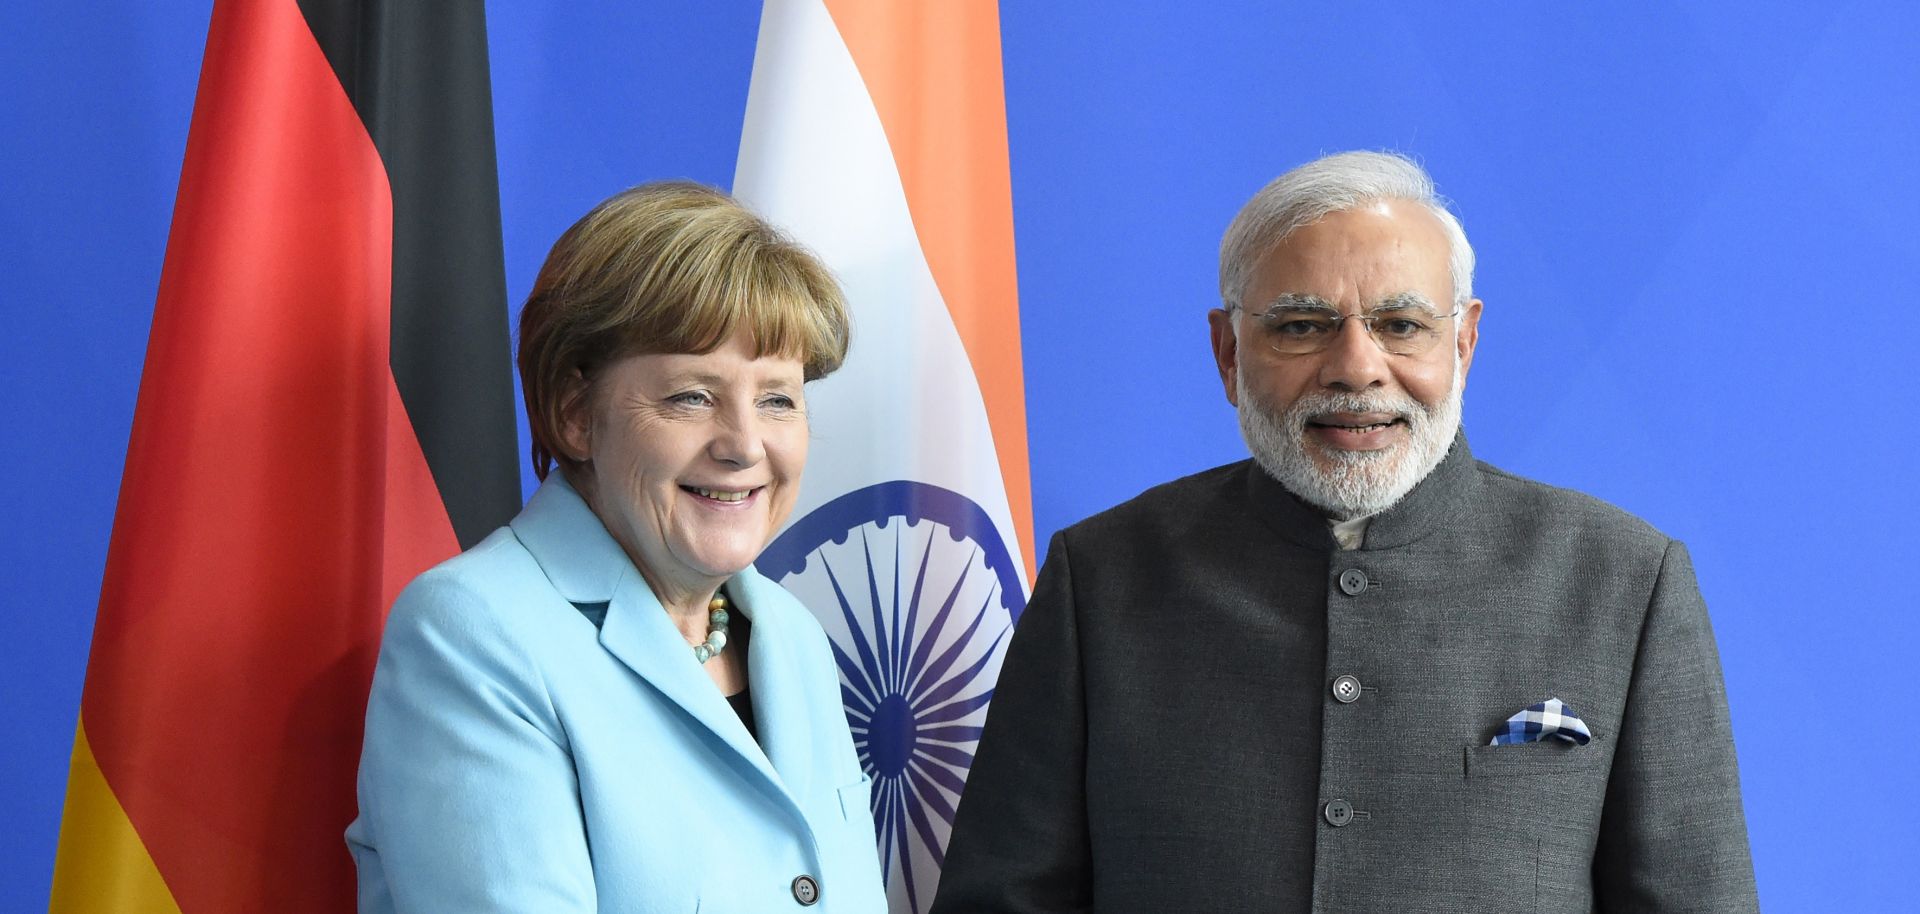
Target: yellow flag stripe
{"points": [[101, 866]]}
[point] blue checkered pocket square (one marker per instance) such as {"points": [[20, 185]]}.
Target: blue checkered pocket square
{"points": [[1547, 718]]}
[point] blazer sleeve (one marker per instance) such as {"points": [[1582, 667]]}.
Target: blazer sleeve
{"points": [[1020, 841], [468, 799], [1672, 833]]}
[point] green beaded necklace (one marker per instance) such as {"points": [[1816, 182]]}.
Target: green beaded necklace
{"points": [[716, 629]]}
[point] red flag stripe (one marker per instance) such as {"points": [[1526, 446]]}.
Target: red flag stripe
{"points": [[273, 497]]}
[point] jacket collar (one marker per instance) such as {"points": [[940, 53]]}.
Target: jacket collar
{"points": [[1438, 498], [586, 565], [581, 559]]}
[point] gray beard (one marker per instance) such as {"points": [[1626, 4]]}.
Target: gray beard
{"points": [[1353, 484]]}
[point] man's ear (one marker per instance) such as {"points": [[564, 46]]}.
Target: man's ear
{"points": [[576, 417], [1226, 352], [1469, 335]]}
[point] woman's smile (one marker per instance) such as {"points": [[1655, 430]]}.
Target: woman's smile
{"points": [[726, 496], [694, 459]]}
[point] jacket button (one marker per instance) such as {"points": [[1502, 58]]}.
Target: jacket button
{"points": [[805, 890], [1346, 690], [1339, 812], [1353, 581]]}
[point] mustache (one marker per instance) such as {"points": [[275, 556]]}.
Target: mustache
{"points": [[1315, 405]]}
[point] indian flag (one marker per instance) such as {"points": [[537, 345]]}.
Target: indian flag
{"points": [[876, 135]]}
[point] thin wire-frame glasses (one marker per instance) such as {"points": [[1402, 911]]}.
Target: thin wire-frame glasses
{"points": [[1399, 328]]}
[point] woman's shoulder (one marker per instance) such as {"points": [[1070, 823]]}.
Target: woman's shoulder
{"points": [[490, 588]]}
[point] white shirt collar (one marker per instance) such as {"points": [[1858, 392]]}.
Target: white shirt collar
{"points": [[1350, 533]]}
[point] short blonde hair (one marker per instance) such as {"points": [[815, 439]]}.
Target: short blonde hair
{"points": [[668, 267]]}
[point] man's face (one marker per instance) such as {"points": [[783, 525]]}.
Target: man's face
{"points": [[1352, 427]]}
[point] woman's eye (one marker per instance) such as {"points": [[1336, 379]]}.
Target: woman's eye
{"points": [[691, 398], [778, 401]]}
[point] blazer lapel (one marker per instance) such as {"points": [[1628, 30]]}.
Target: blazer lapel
{"points": [[639, 634], [774, 672], [586, 565]]}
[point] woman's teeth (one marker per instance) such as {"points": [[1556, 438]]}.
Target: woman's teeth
{"points": [[720, 494]]}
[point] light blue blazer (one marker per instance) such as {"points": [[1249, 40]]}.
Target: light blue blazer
{"points": [[518, 759]]}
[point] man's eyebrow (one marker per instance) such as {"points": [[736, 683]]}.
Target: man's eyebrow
{"points": [[1299, 301], [1403, 300]]}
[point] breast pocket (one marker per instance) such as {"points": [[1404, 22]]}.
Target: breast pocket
{"points": [[853, 867], [856, 799], [1545, 758], [1533, 816]]}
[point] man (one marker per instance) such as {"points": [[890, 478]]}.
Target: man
{"points": [[1273, 686]]}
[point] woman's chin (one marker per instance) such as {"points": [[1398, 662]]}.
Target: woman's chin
{"points": [[719, 561]]}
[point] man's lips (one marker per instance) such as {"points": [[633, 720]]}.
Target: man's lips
{"points": [[1357, 431], [1356, 421]]}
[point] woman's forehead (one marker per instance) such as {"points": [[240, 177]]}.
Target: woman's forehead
{"points": [[737, 360]]}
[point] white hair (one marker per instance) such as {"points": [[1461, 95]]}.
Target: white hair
{"points": [[1331, 184], [1353, 483]]}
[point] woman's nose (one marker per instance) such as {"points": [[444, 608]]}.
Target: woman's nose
{"points": [[737, 439]]}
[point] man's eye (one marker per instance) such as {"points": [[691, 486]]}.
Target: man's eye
{"points": [[1301, 326], [1401, 327]]}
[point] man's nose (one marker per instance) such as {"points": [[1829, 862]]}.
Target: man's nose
{"points": [[1354, 360], [737, 439]]}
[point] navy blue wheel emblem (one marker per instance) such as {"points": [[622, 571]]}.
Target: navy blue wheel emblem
{"points": [[918, 594]]}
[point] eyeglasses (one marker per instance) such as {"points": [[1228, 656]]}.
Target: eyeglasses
{"points": [[1298, 328]]}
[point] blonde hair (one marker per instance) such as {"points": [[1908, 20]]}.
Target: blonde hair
{"points": [[668, 267]]}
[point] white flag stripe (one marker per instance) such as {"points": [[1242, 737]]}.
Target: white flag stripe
{"points": [[903, 541], [814, 159]]}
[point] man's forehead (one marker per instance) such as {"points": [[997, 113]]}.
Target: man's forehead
{"points": [[1357, 257]]}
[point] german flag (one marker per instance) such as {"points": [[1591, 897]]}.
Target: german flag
{"points": [[325, 411]]}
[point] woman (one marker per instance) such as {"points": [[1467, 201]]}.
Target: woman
{"points": [[550, 726]]}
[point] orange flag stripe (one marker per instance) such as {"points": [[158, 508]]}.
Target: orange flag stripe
{"points": [[934, 73]]}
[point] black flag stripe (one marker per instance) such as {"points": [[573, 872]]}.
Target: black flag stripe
{"points": [[417, 73]]}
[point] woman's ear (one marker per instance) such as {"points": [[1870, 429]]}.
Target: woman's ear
{"points": [[576, 418]]}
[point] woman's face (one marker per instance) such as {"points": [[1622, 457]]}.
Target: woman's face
{"points": [[693, 460]]}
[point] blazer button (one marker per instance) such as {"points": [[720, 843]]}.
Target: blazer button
{"points": [[1346, 690], [1353, 581], [1339, 812], [805, 890]]}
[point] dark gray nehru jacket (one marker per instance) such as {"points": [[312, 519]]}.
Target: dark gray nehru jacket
{"points": [[1167, 734]]}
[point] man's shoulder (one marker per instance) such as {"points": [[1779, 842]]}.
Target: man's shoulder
{"points": [[1519, 503], [1168, 506]]}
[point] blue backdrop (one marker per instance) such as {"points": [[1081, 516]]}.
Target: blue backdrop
{"points": [[1690, 218]]}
